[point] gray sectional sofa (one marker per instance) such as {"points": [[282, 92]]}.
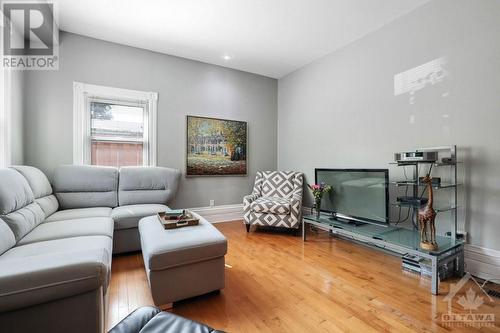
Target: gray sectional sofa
{"points": [[56, 242]]}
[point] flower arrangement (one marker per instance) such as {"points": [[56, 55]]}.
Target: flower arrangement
{"points": [[318, 190]]}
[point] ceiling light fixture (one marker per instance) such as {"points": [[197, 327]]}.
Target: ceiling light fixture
{"points": [[226, 57]]}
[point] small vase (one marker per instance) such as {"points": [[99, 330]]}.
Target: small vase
{"points": [[317, 206]]}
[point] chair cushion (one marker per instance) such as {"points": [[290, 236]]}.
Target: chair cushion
{"points": [[94, 226], [127, 217], [79, 213], [272, 205], [150, 319], [82, 186], [135, 321], [163, 249], [147, 185], [7, 239], [170, 323]]}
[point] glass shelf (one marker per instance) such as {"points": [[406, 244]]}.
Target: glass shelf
{"points": [[413, 183], [438, 164], [406, 238], [437, 209]]}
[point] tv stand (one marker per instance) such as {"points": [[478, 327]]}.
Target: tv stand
{"points": [[346, 221], [395, 239]]}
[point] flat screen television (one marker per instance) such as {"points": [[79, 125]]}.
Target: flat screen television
{"points": [[358, 195]]}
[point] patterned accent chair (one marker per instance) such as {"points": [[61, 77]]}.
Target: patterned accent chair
{"points": [[276, 200]]}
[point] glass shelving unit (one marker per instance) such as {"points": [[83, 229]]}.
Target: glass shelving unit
{"points": [[451, 184], [401, 240]]}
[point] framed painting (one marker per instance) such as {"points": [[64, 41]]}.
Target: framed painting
{"points": [[216, 147]]}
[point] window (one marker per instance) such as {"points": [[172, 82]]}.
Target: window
{"points": [[114, 127], [116, 134]]}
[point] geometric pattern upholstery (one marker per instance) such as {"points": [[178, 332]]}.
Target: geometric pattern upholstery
{"points": [[276, 199], [271, 205], [277, 184]]}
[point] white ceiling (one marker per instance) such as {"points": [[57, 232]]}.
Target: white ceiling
{"points": [[268, 37]]}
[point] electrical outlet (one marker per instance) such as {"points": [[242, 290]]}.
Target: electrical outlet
{"points": [[212, 203]]}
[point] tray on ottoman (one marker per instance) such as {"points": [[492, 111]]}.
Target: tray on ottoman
{"points": [[184, 262], [186, 220]]}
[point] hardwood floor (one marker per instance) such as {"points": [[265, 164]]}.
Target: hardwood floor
{"points": [[277, 283]]}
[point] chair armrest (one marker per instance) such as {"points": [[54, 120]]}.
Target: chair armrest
{"points": [[136, 320], [296, 206], [248, 199], [28, 281]]}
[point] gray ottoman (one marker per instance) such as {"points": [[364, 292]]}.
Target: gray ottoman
{"points": [[182, 263]]}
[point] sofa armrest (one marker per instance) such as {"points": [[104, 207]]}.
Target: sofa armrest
{"points": [[28, 281]]}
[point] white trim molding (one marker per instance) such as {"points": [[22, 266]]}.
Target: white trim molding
{"points": [[482, 262], [223, 213], [83, 92]]}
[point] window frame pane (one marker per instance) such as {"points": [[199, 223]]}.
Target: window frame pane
{"points": [[121, 102], [83, 92], [119, 152]]}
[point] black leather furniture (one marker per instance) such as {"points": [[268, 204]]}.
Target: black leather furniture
{"points": [[150, 319]]}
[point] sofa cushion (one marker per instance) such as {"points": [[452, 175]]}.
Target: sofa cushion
{"points": [[65, 245], [147, 185], [163, 249], [38, 182], [48, 204], [78, 213], [40, 186], [94, 226], [127, 217], [7, 239], [15, 192], [47, 276], [82, 186], [271, 205], [23, 220]]}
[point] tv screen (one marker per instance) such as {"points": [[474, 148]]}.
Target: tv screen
{"points": [[358, 194]]}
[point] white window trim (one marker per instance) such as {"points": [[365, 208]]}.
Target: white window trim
{"points": [[5, 119], [82, 92]]}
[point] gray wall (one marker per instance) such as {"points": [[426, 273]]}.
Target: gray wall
{"points": [[16, 91], [185, 87], [341, 111]]}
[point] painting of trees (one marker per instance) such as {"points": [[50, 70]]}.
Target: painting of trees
{"points": [[216, 146]]}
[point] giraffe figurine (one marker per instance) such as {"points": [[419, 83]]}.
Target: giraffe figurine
{"points": [[427, 217]]}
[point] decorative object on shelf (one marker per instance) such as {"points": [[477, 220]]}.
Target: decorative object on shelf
{"points": [[426, 218], [318, 190], [216, 147]]}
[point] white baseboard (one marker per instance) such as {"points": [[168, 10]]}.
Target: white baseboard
{"points": [[482, 262], [223, 213]]}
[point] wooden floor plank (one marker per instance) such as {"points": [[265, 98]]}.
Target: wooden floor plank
{"points": [[277, 283]]}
